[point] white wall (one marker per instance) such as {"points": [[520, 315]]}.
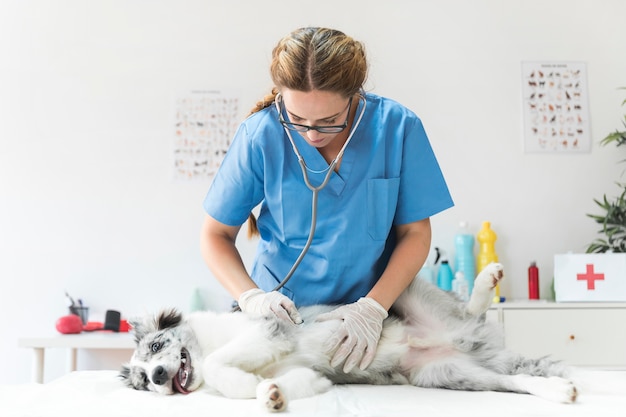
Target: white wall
{"points": [[87, 200]]}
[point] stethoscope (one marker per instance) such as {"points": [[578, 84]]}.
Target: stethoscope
{"points": [[314, 189]]}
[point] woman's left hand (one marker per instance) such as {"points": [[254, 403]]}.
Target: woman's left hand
{"points": [[356, 340]]}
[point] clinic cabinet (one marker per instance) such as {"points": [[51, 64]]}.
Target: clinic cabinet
{"points": [[581, 334]]}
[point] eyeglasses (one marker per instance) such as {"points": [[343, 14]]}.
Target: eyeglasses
{"points": [[305, 128]]}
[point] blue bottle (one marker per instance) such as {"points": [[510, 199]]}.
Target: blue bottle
{"points": [[464, 260], [445, 276], [427, 274]]}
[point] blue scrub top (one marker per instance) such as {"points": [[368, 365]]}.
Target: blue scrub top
{"points": [[388, 176]]}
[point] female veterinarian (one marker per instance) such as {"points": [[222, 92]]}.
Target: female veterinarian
{"points": [[347, 181]]}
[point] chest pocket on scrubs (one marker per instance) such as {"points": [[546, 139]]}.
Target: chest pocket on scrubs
{"points": [[382, 199], [267, 281]]}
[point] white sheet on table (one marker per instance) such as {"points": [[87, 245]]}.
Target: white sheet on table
{"points": [[101, 393]]}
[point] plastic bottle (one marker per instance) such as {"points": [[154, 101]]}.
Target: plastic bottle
{"points": [[533, 281], [487, 251], [460, 286], [427, 273], [464, 260], [197, 303], [445, 276]]}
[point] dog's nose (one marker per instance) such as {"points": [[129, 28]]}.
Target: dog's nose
{"points": [[159, 375]]}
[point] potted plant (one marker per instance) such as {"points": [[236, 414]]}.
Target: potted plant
{"points": [[613, 217]]}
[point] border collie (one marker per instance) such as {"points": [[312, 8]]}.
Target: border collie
{"points": [[430, 339]]}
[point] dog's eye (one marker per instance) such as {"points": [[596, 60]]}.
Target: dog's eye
{"points": [[156, 346]]}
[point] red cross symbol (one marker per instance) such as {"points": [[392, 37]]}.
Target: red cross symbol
{"points": [[590, 277]]}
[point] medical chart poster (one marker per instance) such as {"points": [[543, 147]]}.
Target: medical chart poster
{"points": [[204, 124], [556, 109]]}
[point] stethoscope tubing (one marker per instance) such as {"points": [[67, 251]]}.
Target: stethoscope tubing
{"points": [[314, 189]]}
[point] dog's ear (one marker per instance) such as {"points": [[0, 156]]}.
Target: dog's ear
{"points": [[168, 319], [125, 372], [142, 326], [134, 377], [161, 321]]}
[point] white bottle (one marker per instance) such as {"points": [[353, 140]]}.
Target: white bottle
{"points": [[460, 287]]}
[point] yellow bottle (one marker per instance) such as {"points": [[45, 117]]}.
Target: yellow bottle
{"points": [[487, 252]]}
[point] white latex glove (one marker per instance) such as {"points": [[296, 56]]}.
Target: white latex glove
{"points": [[258, 301], [356, 339]]}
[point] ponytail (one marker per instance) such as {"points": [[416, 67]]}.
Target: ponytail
{"points": [[267, 101]]}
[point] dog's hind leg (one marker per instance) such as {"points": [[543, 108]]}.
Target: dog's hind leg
{"points": [[544, 366], [459, 374], [484, 289], [552, 388], [274, 393]]}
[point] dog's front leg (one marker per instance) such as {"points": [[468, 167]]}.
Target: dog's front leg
{"points": [[222, 370], [274, 393], [231, 368], [230, 381]]}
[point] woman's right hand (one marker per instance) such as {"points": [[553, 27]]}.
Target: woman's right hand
{"points": [[257, 301]]}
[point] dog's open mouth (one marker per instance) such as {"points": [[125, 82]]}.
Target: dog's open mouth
{"points": [[183, 377]]}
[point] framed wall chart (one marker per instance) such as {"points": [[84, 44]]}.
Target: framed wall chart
{"points": [[556, 109], [204, 124]]}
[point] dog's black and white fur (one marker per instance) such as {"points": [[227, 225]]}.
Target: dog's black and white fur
{"points": [[430, 339]]}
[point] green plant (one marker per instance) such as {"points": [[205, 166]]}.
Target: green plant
{"points": [[613, 219]]}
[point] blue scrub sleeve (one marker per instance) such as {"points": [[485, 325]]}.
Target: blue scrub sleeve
{"points": [[423, 189], [237, 186]]}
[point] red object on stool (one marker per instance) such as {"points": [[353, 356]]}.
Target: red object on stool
{"points": [[124, 326], [70, 324]]}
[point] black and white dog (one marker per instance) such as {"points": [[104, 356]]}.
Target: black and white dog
{"points": [[430, 339]]}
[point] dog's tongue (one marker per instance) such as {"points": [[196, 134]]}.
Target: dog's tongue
{"points": [[180, 380], [183, 376]]}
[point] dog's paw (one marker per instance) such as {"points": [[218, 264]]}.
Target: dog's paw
{"points": [[556, 389], [484, 288], [270, 396], [571, 393], [564, 390], [489, 277]]}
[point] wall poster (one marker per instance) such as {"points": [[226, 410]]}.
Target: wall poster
{"points": [[556, 109], [204, 124]]}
